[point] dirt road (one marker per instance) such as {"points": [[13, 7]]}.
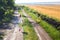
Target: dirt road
{"points": [[38, 29], [16, 33]]}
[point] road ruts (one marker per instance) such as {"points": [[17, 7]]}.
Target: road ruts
{"points": [[42, 34]]}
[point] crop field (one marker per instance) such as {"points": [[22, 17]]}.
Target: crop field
{"points": [[52, 31], [52, 11]]}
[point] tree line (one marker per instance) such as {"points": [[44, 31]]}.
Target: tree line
{"points": [[6, 10]]}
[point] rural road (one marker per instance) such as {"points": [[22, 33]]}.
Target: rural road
{"points": [[17, 31], [38, 29]]}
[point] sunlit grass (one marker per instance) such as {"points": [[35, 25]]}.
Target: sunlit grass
{"points": [[53, 33], [29, 33]]}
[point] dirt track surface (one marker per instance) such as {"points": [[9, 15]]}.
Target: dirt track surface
{"points": [[16, 33], [38, 29]]}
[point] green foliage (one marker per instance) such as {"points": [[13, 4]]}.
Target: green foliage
{"points": [[5, 10], [1, 35], [54, 33], [52, 21], [29, 33]]}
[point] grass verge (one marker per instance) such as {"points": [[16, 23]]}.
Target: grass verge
{"points": [[29, 32], [54, 33]]}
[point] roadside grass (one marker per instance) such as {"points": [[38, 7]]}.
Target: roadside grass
{"points": [[29, 32], [53, 21], [53, 32], [20, 12]]}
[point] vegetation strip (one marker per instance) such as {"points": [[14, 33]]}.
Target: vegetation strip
{"points": [[54, 33], [29, 32], [54, 22]]}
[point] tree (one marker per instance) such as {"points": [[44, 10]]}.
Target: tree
{"points": [[5, 7]]}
